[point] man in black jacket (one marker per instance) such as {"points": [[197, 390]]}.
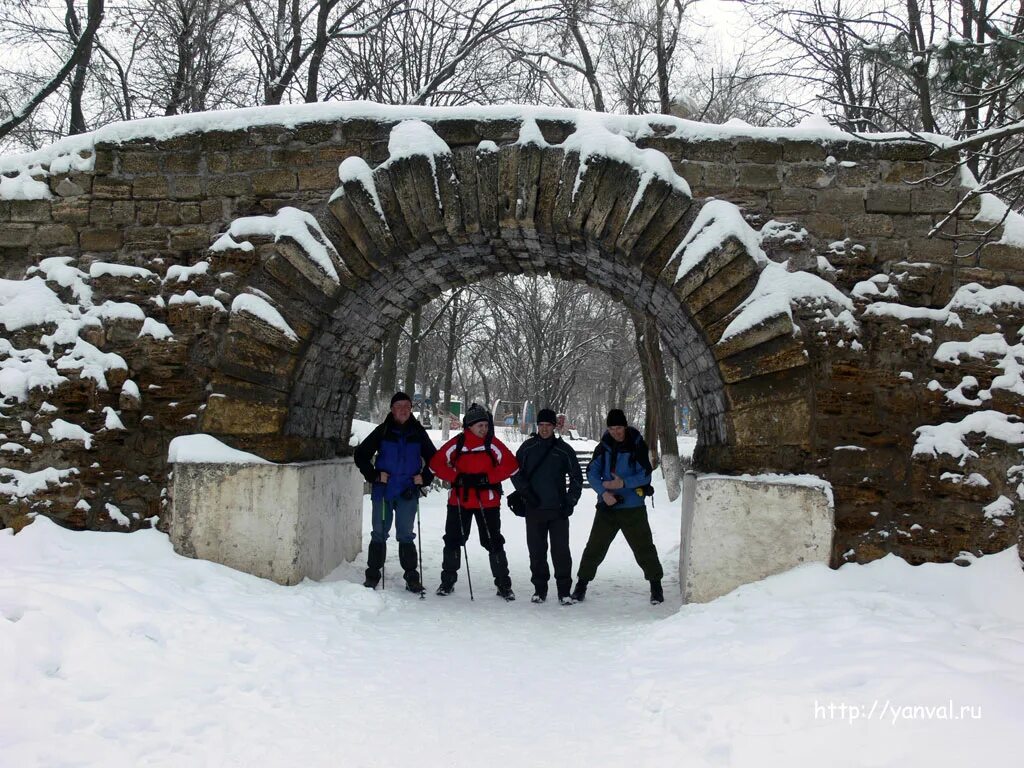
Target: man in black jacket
{"points": [[545, 463]]}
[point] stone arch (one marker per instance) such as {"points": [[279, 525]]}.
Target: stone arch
{"points": [[430, 217]]}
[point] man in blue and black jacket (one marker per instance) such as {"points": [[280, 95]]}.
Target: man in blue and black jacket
{"points": [[402, 450], [620, 473]]}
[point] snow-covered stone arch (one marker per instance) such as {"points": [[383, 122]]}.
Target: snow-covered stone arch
{"points": [[593, 208]]}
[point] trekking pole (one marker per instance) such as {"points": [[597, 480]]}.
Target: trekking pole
{"points": [[383, 524], [419, 548], [465, 552]]}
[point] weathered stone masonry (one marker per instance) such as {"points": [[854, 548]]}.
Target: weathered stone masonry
{"points": [[769, 401]]}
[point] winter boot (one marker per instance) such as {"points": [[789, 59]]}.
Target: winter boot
{"points": [[505, 593], [407, 558], [580, 593], [374, 562], [539, 597], [657, 596], [564, 587], [499, 567], [566, 600], [451, 559]]}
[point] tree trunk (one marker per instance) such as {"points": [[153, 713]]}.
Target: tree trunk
{"points": [[453, 326], [412, 364], [389, 364], [659, 422]]}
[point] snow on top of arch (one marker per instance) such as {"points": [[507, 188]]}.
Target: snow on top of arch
{"points": [[356, 169], [776, 292], [78, 152], [410, 138], [290, 222], [263, 310], [529, 133], [414, 138], [717, 221], [593, 137]]}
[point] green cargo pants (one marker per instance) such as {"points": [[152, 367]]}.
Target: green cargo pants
{"points": [[633, 523]]}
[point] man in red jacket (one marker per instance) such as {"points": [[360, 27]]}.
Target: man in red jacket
{"points": [[475, 463]]}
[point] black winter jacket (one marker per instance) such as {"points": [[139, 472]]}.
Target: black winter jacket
{"points": [[547, 464]]}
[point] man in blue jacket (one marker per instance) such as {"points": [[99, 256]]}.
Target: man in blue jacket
{"points": [[620, 473], [403, 450]]}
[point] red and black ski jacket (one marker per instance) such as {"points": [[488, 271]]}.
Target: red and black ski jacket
{"points": [[476, 457]]}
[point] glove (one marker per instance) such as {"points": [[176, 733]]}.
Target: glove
{"points": [[472, 480]]}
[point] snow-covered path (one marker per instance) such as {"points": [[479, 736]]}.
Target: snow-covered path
{"points": [[116, 652]]}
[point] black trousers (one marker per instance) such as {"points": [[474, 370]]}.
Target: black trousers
{"points": [[458, 526], [538, 530]]}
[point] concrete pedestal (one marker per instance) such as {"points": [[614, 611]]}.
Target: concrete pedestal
{"points": [[736, 530], [284, 522]]}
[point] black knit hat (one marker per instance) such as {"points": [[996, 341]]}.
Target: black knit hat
{"points": [[547, 416], [399, 397], [616, 418], [475, 414]]}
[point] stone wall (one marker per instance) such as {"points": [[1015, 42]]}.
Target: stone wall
{"points": [[849, 211]]}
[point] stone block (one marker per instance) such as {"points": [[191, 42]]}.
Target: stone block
{"points": [[998, 256], [738, 530], [895, 172], [74, 211], [802, 151], [30, 210], [792, 201], [925, 200], [870, 225], [755, 151], [812, 175], [229, 186], [188, 187], [105, 188], [840, 201], [862, 174], [183, 162], [100, 239], [192, 238], [283, 522], [888, 200], [718, 176], [319, 177], [55, 236], [16, 235], [135, 162], [151, 188], [274, 181], [758, 177], [249, 159]]}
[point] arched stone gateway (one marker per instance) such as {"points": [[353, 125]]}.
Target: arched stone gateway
{"points": [[820, 331], [428, 220]]}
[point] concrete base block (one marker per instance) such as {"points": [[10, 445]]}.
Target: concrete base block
{"points": [[736, 530], [284, 522]]}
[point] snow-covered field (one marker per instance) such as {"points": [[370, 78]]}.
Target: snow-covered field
{"points": [[114, 651]]}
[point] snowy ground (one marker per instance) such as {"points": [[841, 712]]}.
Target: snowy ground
{"points": [[116, 652]]}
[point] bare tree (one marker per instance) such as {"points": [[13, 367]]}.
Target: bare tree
{"points": [[75, 64]]}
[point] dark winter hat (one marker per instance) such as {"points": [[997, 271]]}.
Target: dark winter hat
{"points": [[547, 416], [399, 397], [616, 418], [474, 414]]}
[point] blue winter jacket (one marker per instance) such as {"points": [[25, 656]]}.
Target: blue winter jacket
{"points": [[401, 450], [628, 459]]}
